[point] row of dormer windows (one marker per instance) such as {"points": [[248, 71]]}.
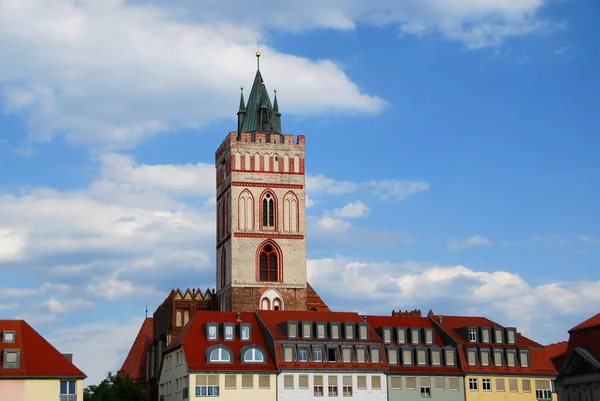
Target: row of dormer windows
{"points": [[403, 335], [498, 357], [331, 354], [323, 331], [497, 335], [408, 356], [228, 331]]}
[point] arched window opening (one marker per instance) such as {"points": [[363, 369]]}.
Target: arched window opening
{"points": [[223, 267], [246, 211], [265, 304], [253, 355], [290, 212], [220, 354], [268, 211], [178, 319], [268, 264], [276, 304], [186, 317]]}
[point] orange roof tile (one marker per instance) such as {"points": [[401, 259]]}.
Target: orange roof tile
{"points": [[38, 358], [594, 321], [557, 349], [135, 363], [314, 301]]}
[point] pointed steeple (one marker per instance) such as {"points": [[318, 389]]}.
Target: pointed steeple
{"points": [[242, 111], [260, 115]]}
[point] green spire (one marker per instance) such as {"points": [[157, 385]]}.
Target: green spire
{"points": [[260, 115], [242, 111]]}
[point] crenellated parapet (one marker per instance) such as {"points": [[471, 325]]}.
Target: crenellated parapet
{"points": [[412, 313], [258, 140]]}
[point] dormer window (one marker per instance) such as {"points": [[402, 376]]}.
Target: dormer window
{"points": [[450, 357], [253, 355], [363, 331], [401, 335], [288, 353], [8, 337], [407, 356], [387, 335], [349, 328], [498, 357], [511, 336], [321, 331], [392, 356], [471, 356], [347, 354], [414, 336], [484, 355], [332, 354], [302, 354], [375, 355], [421, 357], [335, 331], [511, 358], [212, 331], [228, 329], [436, 357], [245, 332], [428, 336], [317, 353], [361, 355], [306, 329], [498, 331], [485, 335], [473, 335], [292, 329], [524, 358], [11, 359], [220, 354]]}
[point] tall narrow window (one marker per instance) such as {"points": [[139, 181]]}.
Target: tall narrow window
{"points": [[246, 211], [268, 211], [223, 267], [290, 212], [268, 264]]}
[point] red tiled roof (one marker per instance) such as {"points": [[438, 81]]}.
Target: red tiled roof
{"points": [[540, 363], [377, 322], [195, 343], [314, 301], [135, 363], [557, 349], [38, 358], [275, 321], [594, 321]]}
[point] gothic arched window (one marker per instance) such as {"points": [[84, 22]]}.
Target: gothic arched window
{"points": [[268, 264], [268, 210], [223, 267]]}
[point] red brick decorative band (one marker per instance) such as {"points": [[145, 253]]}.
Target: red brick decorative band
{"points": [[268, 235], [266, 185]]}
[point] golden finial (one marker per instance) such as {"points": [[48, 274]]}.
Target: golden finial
{"points": [[275, 90], [241, 88]]}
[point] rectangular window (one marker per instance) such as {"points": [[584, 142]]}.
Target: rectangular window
{"points": [[500, 384], [206, 386], [526, 384], [229, 332], [440, 383], [321, 331], [543, 394], [414, 336], [332, 355], [318, 386], [407, 357], [288, 354], [361, 355], [396, 382], [511, 358], [421, 357], [288, 382], [68, 390], [473, 335], [11, 357], [392, 356], [317, 354], [347, 355], [231, 382], [363, 331], [335, 331], [8, 337], [212, 332], [306, 330], [485, 335], [411, 383], [453, 383], [387, 335], [401, 334], [472, 357], [376, 382], [247, 381], [450, 357], [436, 357], [498, 331], [473, 384], [303, 382], [245, 332], [498, 357], [349, 331], [484, 355], [524, 357], [347, 386], [429, 336], [302, 354], [513, 385], [292, 330], [375, 355], [361, 382], [486, 384], [425, 383], [332, 386], [264, 381], [511, 337]]}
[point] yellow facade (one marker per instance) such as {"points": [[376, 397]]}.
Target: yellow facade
{"points": [[516, 388], [34, 390], [257, 391]]}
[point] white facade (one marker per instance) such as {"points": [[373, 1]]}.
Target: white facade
{"points": [[174, 377], [368, 393]]}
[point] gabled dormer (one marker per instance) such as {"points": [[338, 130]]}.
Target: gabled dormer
{"points": [[9, 337], [211, 331]]}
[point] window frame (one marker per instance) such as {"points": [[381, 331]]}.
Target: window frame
{"points": [[376, 348], [324, 326], [388, 330], [398, 331], [498, 335], [222, 348], [524, 352], [498, 352], [514, 333], [302, 349], [365, 352], [351, 350], [11, 365], [283, 348], [449, 362], [474, 352], [360, 328], [337, 325], [307, 330], [212, 327], [71, 390], [473, 384], [249, 327], [290, 324], [254, 349], [337, 353], [389, 349], [512, 352], [472, 334], [349, 329], [487, 330], [486, 351], [270, 213], [428, 331], [407, 350], [415, 336], [6, 333], [421, 351], [437, 350], [226, 327], [319, 348], [486, 382]]}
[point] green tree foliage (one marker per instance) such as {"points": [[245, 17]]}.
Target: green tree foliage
{"points": [[115, 387]]}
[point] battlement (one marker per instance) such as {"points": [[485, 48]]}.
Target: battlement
{"points": [[231, 140]]}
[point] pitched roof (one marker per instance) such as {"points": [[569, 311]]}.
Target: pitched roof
{"points": [[135, 363], [378, 322], [557, 349], [594, 321], [540, 363], [37, 357], [259, 102], [194, 341], [314, 301]]}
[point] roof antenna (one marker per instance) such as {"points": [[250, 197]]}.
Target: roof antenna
{"points": [[146, 309], [257, 54]]}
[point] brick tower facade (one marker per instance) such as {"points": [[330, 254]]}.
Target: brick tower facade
{"points": [[261, 219]]}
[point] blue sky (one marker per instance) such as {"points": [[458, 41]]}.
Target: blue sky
{"points": [[451, 156]]}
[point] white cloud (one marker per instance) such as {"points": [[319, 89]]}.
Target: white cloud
{"points": [[332, 224], [562, 50], [385, 189], [397, 189], [11, 245], [352, 209], [471, 242]]}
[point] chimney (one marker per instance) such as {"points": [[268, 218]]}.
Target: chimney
{"points": [[69, 357], [238, 317], [441, 319]]}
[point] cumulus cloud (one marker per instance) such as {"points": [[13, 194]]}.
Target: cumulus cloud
{"points": [[386, 189], [11, 245], [352, 209], [471, 242]]}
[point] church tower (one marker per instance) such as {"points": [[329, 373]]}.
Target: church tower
{"points": [[261, 219]]}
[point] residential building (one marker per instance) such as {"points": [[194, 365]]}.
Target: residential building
{"points": [[579, 375], [32, 369], [325, 355], [499, 363], [421, 364], [218, 354]]}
